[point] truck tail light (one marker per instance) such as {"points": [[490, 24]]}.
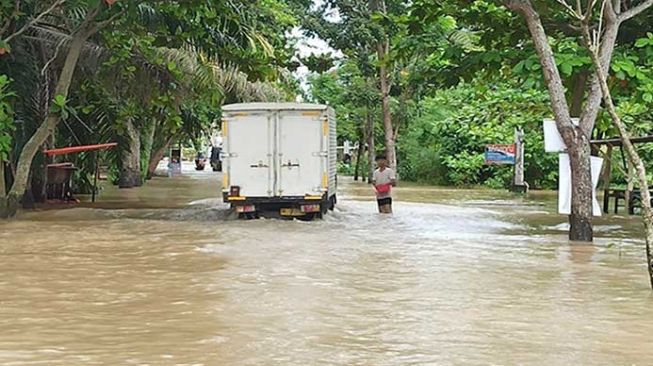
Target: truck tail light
{"points": [[245, 208], [234, 191], [310, 208]]}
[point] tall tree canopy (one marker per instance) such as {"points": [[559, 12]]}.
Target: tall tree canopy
{"points": [[142, 73]]}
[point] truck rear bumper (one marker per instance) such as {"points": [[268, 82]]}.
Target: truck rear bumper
{"points": [[290, 200], [284, 206]]}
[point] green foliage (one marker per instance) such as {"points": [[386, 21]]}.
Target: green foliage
{"points": [[6, 118], [346, 169], [632, 89], [59, 106], [446, 143], [351, 94], [633, 71], [450, 65], [165, 66]]}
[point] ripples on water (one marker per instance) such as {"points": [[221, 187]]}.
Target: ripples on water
{"points": [[484, 281]]}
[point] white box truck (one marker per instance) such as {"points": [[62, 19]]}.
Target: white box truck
{"points": [[279, 159]]}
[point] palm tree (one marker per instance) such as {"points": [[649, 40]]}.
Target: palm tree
{"points": [[57, 54]]}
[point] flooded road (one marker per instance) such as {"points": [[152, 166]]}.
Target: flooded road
{"points": [[452, 278]]}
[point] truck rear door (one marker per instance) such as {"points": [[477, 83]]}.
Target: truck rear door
{"points": [[301, 155], [250, 141]]}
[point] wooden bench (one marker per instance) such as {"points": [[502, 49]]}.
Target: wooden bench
{"points": [[619, 195]]}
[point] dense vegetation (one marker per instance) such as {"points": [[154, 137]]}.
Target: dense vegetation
{"points": [[145, 74], [465, 74], [438, 81]]}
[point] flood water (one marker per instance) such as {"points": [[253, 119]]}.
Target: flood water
{"points": [[160, 276]]}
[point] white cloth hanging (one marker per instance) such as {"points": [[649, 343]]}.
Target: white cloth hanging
{"points": [[564, 188]]}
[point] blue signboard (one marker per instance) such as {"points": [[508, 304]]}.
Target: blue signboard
{"points": [[500, 154]]}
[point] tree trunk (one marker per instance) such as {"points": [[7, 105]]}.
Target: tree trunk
{"points": [[38, 178], [382, 50], [633, 155], [640, 170], [8, 206], [580, 220], [630, 185], [390, 152], [3, 186], [130, 158], [371, 149], [575, 138], [156, 157], [606, 176], [359, 155], [609, 39], [518, 183], [48, 126], [578, 94], [147, 147]]}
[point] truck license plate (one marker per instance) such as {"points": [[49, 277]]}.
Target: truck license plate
{"points": [[291, 212]]}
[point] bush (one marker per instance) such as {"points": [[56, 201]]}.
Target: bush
{"points": [[6, 118], [346, 169], [446, 143]]}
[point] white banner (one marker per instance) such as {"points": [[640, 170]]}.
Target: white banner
{"points": [[552, 140], [564, 189]]}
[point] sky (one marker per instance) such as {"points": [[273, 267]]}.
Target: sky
{"points": [[312, 45]]}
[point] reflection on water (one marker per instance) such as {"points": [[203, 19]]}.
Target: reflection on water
{"points": [[160, 276]]}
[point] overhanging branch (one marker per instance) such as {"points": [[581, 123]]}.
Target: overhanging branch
{"points": [[104, 23], [634, 11], [7, 24], [35, 20]]}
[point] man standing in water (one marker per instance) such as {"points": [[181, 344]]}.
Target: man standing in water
{"points": [[384, 179]]}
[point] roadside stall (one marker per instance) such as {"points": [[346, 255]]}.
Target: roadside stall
{"points": [[630, 196], [59, 175]]}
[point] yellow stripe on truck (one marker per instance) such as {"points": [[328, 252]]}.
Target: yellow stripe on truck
{"points": [[312, 113], [235, 198], [325, 128], [225, 126], [313, 198], [325, 180], [225, 181]]}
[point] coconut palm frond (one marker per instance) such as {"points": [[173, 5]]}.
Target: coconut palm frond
{"points": [[466, 39], [268, 49], [77, 13], [33, 90], [148, 14], [198, 72], [54, 43]]}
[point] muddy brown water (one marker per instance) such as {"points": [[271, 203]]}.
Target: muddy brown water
{"points": [[157, 276]]}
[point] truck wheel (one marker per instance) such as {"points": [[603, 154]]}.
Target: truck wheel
{"points": [[324, 208], [309, 217], [332, 203], [248, 216]]}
